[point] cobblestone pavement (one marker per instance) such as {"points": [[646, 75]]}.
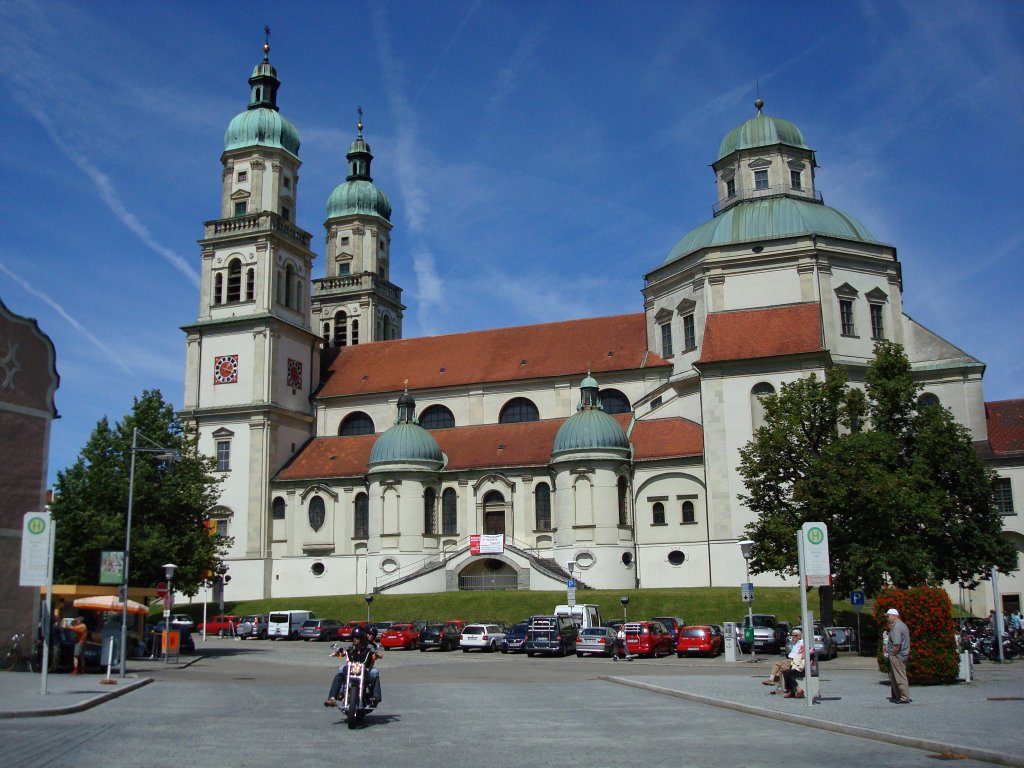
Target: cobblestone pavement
{"points": [[259, 703]]}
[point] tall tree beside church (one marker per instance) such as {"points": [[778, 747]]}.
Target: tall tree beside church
{"points": [[170, 502], [905, 496]]}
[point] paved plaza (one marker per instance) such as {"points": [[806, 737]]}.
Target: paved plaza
{"points": [[260, 703]]}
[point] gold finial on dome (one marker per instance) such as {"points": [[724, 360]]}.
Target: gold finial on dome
{"points": [[359, 125], [266, 42], [759, 103]]}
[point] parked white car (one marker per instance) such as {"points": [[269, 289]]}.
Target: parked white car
{"points": [[485, 637]]}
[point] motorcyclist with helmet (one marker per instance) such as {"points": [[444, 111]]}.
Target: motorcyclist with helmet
{"points": [[362, 650]]}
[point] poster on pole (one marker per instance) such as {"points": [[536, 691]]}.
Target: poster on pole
{"points": [[35, 549], [817, 566], [111, 567]]}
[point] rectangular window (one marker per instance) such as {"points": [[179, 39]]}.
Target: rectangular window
{"points": [[243, 176], [287, 183], [658, 513], [343, 269], [286, 213], [877, 328], [846, 317], [760, 179], [1002, 496], [223, 455], [730, 188], [666, 340], [240, 209], [794, 179], [689, 332]]}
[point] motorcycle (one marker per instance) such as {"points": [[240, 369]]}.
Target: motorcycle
{"points": [[356, 702]]}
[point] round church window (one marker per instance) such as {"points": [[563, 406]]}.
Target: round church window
{"points": [[389, 566], [676, 557], [584, 560], [318, 569]]}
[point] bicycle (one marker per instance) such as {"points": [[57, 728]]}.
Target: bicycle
{"points": [[15, 656]]}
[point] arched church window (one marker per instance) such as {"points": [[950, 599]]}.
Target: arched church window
{"points": [[326, 333], [928, 400], [759, 391], [517, 410], [437, 417], [250, 284], [658, 513], [449, 512], [218, 288], [542, 504], [386, 327], [688, 512], [623, 495], [340, 328], [355, 332], [234, 280], [361, 519], [613, 401], [494, 513], [357, 423], [277, 509], [317, 513], [430, 511], [290, 291]]}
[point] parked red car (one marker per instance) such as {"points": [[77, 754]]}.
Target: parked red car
{"points": [[401, 636], [345, 632], [699, 639], [648, 638], [217, 624]]}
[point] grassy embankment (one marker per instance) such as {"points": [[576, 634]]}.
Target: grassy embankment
{"points": [[699, 605]]}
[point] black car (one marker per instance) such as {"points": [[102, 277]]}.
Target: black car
{"points": [[444, 637]]}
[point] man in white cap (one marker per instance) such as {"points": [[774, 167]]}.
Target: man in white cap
{"points": [[899, 639]]}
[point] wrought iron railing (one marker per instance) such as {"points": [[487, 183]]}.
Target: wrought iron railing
{"points": [[489, 581]]}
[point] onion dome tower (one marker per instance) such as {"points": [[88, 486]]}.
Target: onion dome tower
{"points": [[357, 302], [590, 429], [406, 444]]}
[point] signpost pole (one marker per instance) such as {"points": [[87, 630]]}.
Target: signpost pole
{"points": [[47, 627], [808, 632]]}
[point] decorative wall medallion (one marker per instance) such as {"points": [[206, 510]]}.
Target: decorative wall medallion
{"points": [[294, 374], [225, 369], [9, 366]]}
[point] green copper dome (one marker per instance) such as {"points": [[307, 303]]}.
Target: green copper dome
{"points": [[406, 442], [769, 218], [357, 195], [590, 428], [261, 128], [761, 131], [261, 125]]}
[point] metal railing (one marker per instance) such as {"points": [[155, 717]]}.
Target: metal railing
{"points": [[441, 557], [255, 222], [770, 191], [492, 581]]}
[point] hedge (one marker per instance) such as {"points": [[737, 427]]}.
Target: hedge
{"points": [[928, 614]]}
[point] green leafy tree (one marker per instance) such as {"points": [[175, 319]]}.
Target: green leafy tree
{"points": [[906, 498], [170, 502]]}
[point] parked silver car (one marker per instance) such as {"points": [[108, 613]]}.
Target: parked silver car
{"points": [[599, 641], [484, 637]]}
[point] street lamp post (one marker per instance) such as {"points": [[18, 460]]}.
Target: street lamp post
{"points": [[369, 599], [625, 601], [746, 547], [168, 602], [169, 455]]}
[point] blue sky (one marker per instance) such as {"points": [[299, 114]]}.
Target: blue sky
{"points": [[540, 157]]}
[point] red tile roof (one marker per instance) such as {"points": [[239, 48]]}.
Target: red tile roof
{"points": [[752, 333], [491, 446], [1005, 422], [567, 348]]}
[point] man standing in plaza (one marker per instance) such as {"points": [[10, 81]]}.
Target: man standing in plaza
{"points": [[899, 653]]}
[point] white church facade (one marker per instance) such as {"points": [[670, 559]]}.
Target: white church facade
{"points": [[354, 460]]}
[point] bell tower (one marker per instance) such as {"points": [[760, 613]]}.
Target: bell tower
{"points": [[252, 359], [357, 302]]}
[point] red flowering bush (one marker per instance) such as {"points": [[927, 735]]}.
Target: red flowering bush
{"points": [[928, 614]]}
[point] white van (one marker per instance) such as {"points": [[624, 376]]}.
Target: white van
{"points": [[287, 624], [584, 615]]}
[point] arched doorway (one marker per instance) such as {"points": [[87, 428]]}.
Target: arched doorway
{"points": [[494, 512], [488, 573]]}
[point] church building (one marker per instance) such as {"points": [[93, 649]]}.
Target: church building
{"points": [[355, 460]]}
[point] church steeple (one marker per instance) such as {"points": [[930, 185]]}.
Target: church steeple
{"points": [[263, 80], [359, 156]]}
